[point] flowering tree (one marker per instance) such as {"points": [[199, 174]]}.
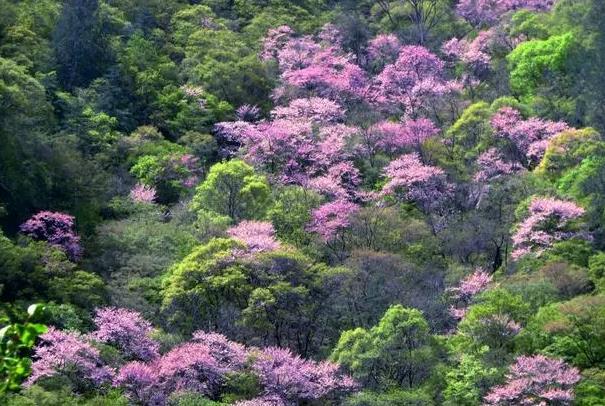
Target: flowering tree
{"points": [[201, 365], [536, 380], [275, 40], [314, 109], [141, 384], [394, 137], [547, 222], [331, 220], [468, 288], [412, 82], [489, 12], [247, 112], [424, 184], [383, 50], [229, 354], [128, 331], [68, 354], [291, 378], [55, 228], [258, 236], [141, 193], [491, 165], [529, 137]]}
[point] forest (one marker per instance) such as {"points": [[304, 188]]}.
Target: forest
{"points": [[302, 203]]}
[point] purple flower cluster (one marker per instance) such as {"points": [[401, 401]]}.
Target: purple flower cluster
{"points": [[55, 228], [536, 380], [126, 330]]}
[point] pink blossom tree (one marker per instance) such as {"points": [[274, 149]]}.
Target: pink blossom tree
{"points": [[292, 378], [68, 354], [489, 12], [412, 180], [466, 290], [536, 380], [547, 222], [314, 109], [275, 40], [529, 137], [258, 236], [128, 331], [492, 165], [141, 193], [383, 50], [331, 220], [229, 354], [141, 383], [392, 137], [55, 228], [412, 83]]}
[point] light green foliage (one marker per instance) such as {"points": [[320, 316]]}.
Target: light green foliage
{"points": [[531, 62], [37, 395], [466, 382], [567, 150], [233, 189], [470, 134], [16, 342], [291, 212], [397, 352], [573, 330], [139, 249], [280, 295], [417, 397]]}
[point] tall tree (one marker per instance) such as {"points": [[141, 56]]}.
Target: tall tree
{"points": [[80, 45]]}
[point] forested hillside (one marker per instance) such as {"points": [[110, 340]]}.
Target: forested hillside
{"points": [[310, 202]]}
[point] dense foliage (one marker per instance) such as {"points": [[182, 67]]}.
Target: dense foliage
{"points": [[311, 202]]}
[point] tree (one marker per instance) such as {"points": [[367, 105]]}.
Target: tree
{"points": [[536, 379], [547, 221], [398, 351], [258, 236], [79, 40], [128, 331], [233, 189], [55, 228], [423, 184], [69, 355], [532, 62]]}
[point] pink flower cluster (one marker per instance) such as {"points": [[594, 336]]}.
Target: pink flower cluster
{"points": [[69, 354], [393, 137], [126, 330], [258, 236], [383, 49], [468, 288], [530, 136], [424, 184], [545, 224], [480, 12], [474, 54], [414, 82], [55, 228], [247, 112], [141, 193], [200, 366], [491, 165], [331, 220], [303, 141], [292, 378], [536, 380], [314, 109]]}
